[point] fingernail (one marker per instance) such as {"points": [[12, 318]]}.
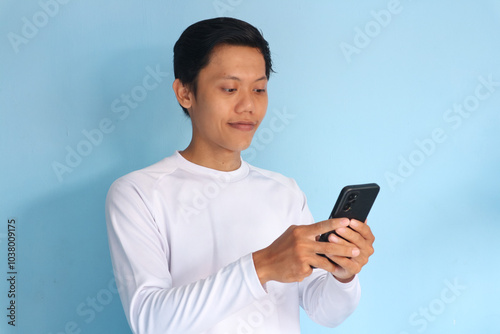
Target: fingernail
{"points": [[333, 238], [345, 222], [341, 230], [355, 252], [354, 223]]}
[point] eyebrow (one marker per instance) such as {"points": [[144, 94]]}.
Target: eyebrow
{"points": [[231, 77]]}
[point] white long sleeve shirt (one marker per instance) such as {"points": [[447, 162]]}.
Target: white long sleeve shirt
{"points": [[181, 238]]}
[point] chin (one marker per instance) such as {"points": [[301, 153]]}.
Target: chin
{"points": [[239, 148], [241, 144]]}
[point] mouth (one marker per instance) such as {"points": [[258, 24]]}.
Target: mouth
{"points": [[243, 125]]}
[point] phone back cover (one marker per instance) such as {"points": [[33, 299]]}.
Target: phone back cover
{"points": [[360, 208]]}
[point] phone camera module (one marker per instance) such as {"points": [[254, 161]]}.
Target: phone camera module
{"points": [[352, 197], [347, 207]]}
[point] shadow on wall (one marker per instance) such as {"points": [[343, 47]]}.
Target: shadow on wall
{"points": [[130, 108], [65, 276]]}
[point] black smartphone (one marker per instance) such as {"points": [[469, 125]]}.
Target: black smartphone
{"points": [[354, 202]]}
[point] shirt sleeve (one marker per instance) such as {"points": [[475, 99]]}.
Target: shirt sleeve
{"points": [[327, 301], [140, 262]]}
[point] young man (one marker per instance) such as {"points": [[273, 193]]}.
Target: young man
{"points": [[240, 259]]}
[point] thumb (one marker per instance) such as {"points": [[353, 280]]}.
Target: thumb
{"points": [[327, 226]]}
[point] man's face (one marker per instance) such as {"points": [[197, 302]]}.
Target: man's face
{"points": [[231, 99]]}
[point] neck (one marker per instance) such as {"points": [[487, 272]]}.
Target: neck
{"points": [[222, 159]]}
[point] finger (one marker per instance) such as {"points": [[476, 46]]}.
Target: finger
{"points": [[324, 263], [350, 266], [350, 235], [363, 229], [336, 250], [335, 238], [365, 246], [326, 226]]}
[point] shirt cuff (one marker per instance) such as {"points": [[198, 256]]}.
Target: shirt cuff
{"points": [[346, 286], [249, 273]]}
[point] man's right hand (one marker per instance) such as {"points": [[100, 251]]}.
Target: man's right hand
{"points": [[290, 258]]}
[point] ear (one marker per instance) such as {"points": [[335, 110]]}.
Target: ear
{"points": [[183, 94]]}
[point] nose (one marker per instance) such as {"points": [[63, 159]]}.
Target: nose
{"points": [[245, 102]]}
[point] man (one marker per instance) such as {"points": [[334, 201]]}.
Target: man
{"points": [[240, 260]]}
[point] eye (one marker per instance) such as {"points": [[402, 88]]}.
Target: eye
{"points": [[260, 90], [229, 90]]}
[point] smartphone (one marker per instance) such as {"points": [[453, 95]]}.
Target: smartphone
{"points": [[354, 202]]}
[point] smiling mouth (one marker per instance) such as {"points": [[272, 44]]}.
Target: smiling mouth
{"points": [[243, 126]]}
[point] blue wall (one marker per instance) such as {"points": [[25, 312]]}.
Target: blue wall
{"points": [[402, 93]]}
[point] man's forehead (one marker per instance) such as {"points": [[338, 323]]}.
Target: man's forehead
{"points": [[228, 62], [233, 77], [233, 52]]}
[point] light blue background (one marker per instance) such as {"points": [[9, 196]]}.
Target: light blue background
{"points": [[353, 118]]}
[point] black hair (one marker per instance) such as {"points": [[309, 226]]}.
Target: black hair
{"points": [[194, 47]]}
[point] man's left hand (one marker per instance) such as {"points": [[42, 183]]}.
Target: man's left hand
{"points": [[360, 235]]}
